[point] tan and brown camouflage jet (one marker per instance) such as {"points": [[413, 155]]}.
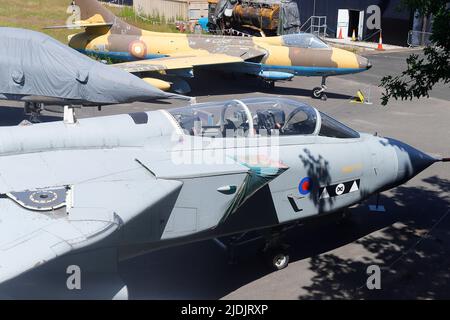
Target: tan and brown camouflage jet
{"points": [[164, 58]]}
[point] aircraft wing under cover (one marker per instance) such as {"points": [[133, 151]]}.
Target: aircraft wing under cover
{"points": [[38, 224]]}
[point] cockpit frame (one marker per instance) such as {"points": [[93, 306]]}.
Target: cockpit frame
{"points": [[257, 117], [304, 40]]}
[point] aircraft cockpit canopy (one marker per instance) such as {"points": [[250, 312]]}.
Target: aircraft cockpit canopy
{"points": [[266, 117], [304, 40]]}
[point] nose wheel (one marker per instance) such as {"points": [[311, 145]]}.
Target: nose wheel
{"points": [[277, 258], [319, 92], [275, 252]]}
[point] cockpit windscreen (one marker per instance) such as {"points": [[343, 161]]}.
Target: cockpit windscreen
{"points": [[234, 118], [257, 117], [334, 129], [304, 40]]}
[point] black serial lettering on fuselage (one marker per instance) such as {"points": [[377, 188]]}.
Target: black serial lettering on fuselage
{"points": [[294, 204]]}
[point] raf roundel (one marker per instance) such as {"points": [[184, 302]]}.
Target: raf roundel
{"points": [[138, 49], [304, 186]]}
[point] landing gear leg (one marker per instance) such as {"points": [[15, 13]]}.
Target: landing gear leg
{"points": [[231, 246], [34, 110], [275, 252], [319, 92]]}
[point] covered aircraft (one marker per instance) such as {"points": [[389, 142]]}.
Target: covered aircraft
{"points": [[39, 71], [151, 54], [115, 187]]}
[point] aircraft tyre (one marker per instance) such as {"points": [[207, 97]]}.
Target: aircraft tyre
{"points": [[318, 93], [277, 258]]}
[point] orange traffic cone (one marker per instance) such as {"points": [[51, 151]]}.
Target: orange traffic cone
{"points": [[354, 35], [380, 43], [340, 34]]}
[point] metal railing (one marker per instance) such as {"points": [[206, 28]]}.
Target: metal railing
{"points": [[316, 25]]}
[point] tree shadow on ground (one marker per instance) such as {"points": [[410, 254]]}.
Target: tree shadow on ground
{"points": [[200, 270], [413, 253]]}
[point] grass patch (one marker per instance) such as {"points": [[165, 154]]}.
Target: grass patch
{"points": [[37, 14], [155, 22]]}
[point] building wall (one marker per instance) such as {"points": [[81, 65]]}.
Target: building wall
{"points": [[395, 22], [120, 2], [173, 9]]}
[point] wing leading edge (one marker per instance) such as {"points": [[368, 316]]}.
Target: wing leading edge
{"points": [[194, 58], [176, 63]]}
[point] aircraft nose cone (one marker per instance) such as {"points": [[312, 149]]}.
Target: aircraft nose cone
{"points": [[410, 160], [364, 63], [111, 85]]}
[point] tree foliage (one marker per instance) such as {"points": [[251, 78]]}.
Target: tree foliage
{"points": [[424, 71]]}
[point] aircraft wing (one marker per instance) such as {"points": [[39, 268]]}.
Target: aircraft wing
{"points": [[82, 25], [193, 59], [38, 224], [176, 63]]}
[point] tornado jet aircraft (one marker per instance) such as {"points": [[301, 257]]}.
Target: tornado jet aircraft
{"points": [[41, 71], [165, 59], [115, 187]]}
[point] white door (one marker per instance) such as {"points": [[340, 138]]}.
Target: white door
{"points": [[361, 25], [342, 23]]}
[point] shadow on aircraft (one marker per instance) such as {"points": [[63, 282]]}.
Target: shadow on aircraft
{"points": [[200, 270], [412, 254]]}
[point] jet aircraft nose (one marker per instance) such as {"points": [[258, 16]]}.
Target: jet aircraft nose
{"points": [[364, 63], [410, 160]]}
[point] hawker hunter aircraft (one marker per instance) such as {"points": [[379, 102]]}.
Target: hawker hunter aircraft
{"points": [[89, 194], [41, 71], [166, 58]]}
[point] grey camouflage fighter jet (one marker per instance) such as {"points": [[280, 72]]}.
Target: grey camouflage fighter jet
{"points": [[41, 71], [115, 187]]}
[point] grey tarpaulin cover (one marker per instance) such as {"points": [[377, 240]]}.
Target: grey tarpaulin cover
{"points": [[290, 17], [222, 5], [34, 64]]}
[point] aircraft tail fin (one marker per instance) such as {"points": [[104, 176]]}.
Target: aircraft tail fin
{"points": [[93, 16]]}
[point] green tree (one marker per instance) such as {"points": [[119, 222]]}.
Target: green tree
{"points": [[424, 71]]}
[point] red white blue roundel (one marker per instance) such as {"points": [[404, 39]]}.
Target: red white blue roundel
{"points": [[138, 49], [304, 186]]}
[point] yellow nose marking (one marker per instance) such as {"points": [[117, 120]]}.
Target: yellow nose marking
{"points": [[344, 58]]}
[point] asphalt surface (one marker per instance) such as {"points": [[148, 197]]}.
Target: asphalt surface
{"points": [[329, 257]]}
